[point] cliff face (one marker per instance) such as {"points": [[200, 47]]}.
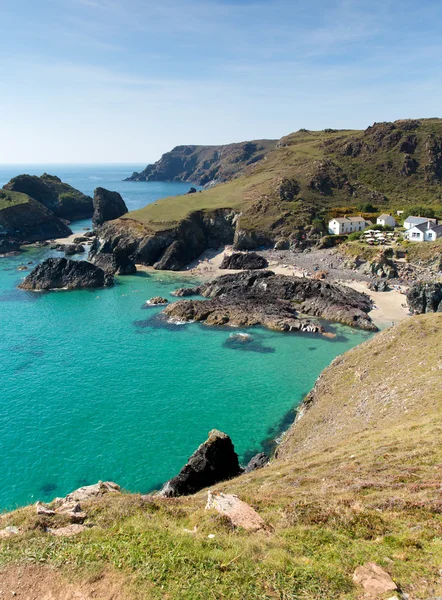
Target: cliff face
{"points": [[60, 198], [205, 164], [107, 206], [24, 219]]}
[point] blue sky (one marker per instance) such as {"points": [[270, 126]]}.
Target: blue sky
{"points": [[126, 80]]}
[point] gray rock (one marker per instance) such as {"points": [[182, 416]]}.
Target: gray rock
{"points": [[68, 274], [107, 206], [257, 462], [244, 260]]}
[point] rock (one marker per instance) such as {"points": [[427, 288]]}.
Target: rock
{"points": [[378, 285], [262, 298], [425, 298], [89, 492], [9, 245], [156, 301], [89, 234], [244, 260], [67, 531], [9, 531], [73, 510], [71, 249], [81, 239], [214, 461], [107, 206], [282, 245], [288, 189], [257, 462], [67, 274], [61, 199], [374, 579], [187, 291], [383, 266], [41, 509], [239, 513]]}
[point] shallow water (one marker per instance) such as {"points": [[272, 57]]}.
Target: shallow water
{"points": [[93, 386]]}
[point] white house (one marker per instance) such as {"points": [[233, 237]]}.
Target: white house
{"points": [[413, 221], [346, 225], [424, 232], [386, 220]]}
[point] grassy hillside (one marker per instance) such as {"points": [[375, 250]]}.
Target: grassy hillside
{"points": [[9, 199], [390, 165], [356, 479]]}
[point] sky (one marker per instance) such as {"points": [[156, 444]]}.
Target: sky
{"points": [[96, 81]]}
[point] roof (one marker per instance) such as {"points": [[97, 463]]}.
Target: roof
{"points": [[436, 228], [421, 226], [418, 220], [385, 216], [349, 219]]}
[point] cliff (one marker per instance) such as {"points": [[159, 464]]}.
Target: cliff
{"points": [[304, 179], [205, 165], [60, 198], [355, 480]]}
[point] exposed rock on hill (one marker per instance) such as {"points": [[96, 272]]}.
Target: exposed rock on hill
{"points": [[274, 301], [7, 246], [241, 260], [107, 206], [205, 164], [68, 274], [60, 198], [425, 298], [214, 461], [24, 219]]}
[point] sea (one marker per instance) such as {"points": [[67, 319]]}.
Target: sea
{"points": [[95, 387]]}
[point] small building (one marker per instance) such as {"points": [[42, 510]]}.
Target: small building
{"points": [[413, 221], [386, 220], [344, 225], [424, 232]]}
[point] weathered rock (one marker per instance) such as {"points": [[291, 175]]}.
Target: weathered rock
{"points": [[374, 579], [239, 513], [425, 298], [379, 285], [107, 206], [274, 301], [64, 273], [9, 531], [244, 260], [71, 249], [81, 239], [8, 245], [89, 492], [257, 462], [157, 300], [89, 234], [67, 531], [41, 509], [73, 510], [383, 266], [282, 245], [187, 291], [214, 461]]}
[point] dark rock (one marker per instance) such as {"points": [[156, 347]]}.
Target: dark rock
{"points": [[192, 190], [282, 245], [71, 249], [383, 266], [379, 285], [64, 273], [214, 461], [425, 298], [262, 298], [8, 245], [288, 189], [257, 462], [61, 199], [107, 206], [90, 234], [156, 301], [81, 239], [241, 260], [188, 291], [409, 166]]}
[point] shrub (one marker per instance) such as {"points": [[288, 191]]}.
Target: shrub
{"points": [[367, 207], [418, 211], [355, 236]]}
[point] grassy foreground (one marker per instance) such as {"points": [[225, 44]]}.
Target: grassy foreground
{"points": [[357, 479]]}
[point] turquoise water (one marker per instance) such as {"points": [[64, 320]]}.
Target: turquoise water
{"points": [[93, 386]]}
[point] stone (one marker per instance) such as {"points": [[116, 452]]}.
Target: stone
{"points": [[93, 491], [41, 509], [374, 579], [425, 298], [71, 249], [81, 239], [257, 462], [73, 510], [215, 460], [56, 273], [239, 513], [379, 285], [67, 531], [186, 291], [9, 531], [107, 206], [157, 300], [244, 260]]}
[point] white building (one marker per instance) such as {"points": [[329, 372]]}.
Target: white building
{"points": [[424, 232], [345, 225], [386, 220], [413, 221]]}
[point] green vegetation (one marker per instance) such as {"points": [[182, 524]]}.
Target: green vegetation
{"points": [[419, 211], [8, 199], [357, 479]]}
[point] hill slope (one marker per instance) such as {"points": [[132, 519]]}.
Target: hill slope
{"points": [[356, 479]]}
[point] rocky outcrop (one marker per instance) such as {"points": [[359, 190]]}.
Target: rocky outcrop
{"points": [[214, 461], [383, 266], [378, 285], [60, 198], [71, 249], [127, 242], [274, 301], [156, 301], [56, 273], [107, 206], [205, 164], [236, 511], [244, 260], [257, 462], [425, 298], [8, 246]]}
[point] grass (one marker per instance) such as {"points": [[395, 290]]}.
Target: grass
{"points": [[8, 199], [357, 479]]}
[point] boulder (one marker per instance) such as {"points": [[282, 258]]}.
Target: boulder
{"points": [[107, 206], [157, 300], [239, 513], [378, 285], [214, 461], [244, 260], [257, 462], [68, 274], [375, 581], [67, 531], [71, 249], [81, 239], [89, 492], [186, 291], [425, 298]]}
